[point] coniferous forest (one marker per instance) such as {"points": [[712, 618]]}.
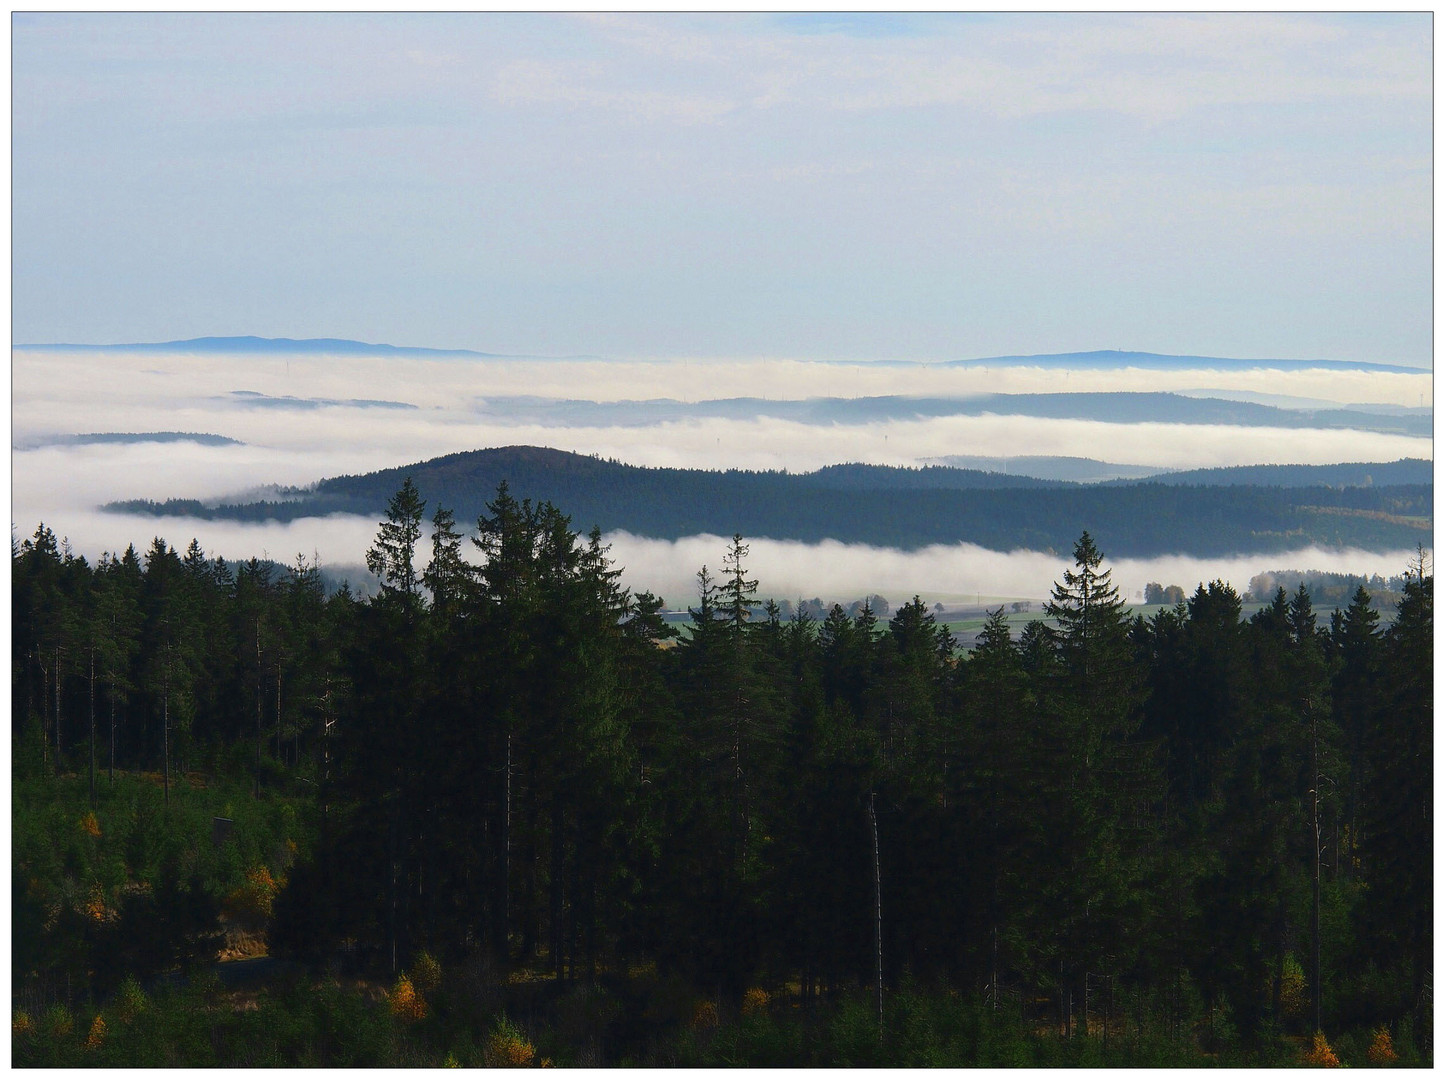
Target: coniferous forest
{"points": [[502, 813]]}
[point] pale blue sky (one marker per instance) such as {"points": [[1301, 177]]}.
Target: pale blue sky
{"points": [[917, 187]]}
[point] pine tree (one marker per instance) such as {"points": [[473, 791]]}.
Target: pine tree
{"points": [[1356, 693], [993, 790], [448, 576], [1397, 852], [1106, 782], [392, 558]]}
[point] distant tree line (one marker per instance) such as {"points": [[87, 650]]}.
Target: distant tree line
{"points": [[901, 508], [1224, 824], [1328, 589]]}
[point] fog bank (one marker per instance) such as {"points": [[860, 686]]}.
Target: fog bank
{"points": [[785, 569], [954, 573]]}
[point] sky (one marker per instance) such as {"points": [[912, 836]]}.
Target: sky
{"points": [[729, 186]]}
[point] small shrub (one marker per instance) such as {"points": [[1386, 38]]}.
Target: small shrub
{"points": [[251, 902], [426, 973], [1320, 1056], [405, 1003], [508, 1048], [1292, 987], [451, 1062], [89, 824], [21, 1024], [96, 1039], [97, 909], [704, 1017], [57, 1022], [755, 1000], [1382, 1049], [130, 999]]}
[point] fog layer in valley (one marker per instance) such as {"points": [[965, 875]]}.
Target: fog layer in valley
{"points": [[950, 574], [80, 392], [117, 378], [956, 573]]}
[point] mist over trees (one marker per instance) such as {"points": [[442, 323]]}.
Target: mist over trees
{"points": [[1212, 827], [879, 505]]}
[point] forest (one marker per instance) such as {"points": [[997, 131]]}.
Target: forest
{"points": [[880, 505], [502, 813]]}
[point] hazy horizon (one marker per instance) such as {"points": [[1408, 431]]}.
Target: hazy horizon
{"points": [[912, 186]]}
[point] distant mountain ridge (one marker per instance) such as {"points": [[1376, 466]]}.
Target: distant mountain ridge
{"points": [[1109, 359], [249, 344], [1096, 360], [877, 505], [1090, 471], [1077, 470], [1346, 474], [127, 437], [1113, 407]]}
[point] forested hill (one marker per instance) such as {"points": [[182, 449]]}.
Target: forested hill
{"points": [[1350, 474], [877, 505]]}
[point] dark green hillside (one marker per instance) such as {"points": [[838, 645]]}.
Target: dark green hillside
{"points": [[899, 508]]}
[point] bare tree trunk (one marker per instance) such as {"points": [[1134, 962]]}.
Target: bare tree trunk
{"points": [[326, 722], [258, 708], [166, 726], [554, 890], [993, 970], [44, 712], [505, 896], [92, 727], [391, 922], [278, 709], [57, 707], [877, 908], [1315, 890]]}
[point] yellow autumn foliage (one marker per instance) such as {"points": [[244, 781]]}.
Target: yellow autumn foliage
{"points": [[21, 1024], [1382, 1049], [251, 902], [1320, 1056], [508, 1049], [755, 1000], [89, 824], [704, 1016], [406, 1004], [96, 908], [96, 1038]]}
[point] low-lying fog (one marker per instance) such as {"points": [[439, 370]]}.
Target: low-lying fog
{"points": [[83, 392], [785, 569]]}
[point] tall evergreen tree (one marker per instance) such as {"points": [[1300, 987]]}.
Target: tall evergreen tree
{"points": [[392, 558], [1106, 785], [1397, 852]]}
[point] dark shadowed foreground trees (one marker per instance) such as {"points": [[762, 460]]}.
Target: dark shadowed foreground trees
{"points": [[1193, 823]]}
